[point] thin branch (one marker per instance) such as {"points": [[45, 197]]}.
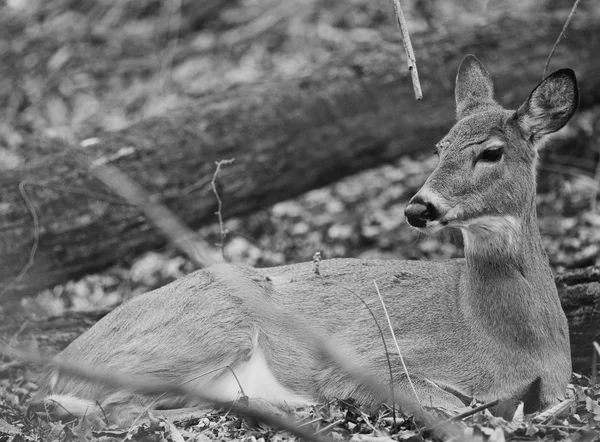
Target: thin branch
{"points": [[184, 239], [410, 54], [330, 426], [213, 183], [560, 36], [83, 192], [477, 409], [554, 411], [389, 321]]}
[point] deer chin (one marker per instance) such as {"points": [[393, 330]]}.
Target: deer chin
{"points": [[483, 235], [432, 227], [489, 234]]}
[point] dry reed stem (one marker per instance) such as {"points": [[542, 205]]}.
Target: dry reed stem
{"points": [[389, 321], [380, 330]]}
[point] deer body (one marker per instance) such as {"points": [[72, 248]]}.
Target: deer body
{"points": [[488, 326]]}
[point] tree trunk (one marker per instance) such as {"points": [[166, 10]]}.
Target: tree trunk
{"points": [[287, 137], [579, 291]]}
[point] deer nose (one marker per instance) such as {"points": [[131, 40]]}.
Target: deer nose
{"points": [[419, 211]]}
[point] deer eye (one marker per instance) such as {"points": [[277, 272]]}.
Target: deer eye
{"points": [[491, 155]]}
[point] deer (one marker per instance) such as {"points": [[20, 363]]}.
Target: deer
{"points": [[484, 327]]}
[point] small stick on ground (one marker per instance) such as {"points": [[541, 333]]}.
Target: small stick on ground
{"points": [[554, 411], [410, 54], [213, 183], [330, 426], [560, 36], [477, 409]]}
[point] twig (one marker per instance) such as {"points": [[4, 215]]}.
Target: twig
{"points": [[367, 420], [330, 426], [149, 386], [560, 36], [213, 183], [389, 321], [410, 55], [317, 258], [472, 411], [556, 410], [571, 428], [184, 239], [58, 404], [314, 421], [84, 192]]}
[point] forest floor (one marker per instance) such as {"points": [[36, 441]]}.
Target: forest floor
{"points": [[90, 66]]}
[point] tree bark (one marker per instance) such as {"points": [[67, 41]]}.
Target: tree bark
{"points": [[579, 291], [354, 112]]}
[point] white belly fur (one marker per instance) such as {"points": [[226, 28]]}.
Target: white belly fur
{"points": [[257, 381]]}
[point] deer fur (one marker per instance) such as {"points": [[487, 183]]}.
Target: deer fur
{"points": [[489, 326]]}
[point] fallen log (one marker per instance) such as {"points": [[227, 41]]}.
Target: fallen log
{"points": [[354, 112], [579, 292]]}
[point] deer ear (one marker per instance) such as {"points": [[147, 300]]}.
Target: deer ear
{"points": [[551, 104], [474, 87]]}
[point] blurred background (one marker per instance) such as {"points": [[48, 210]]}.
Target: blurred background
{"points": [[78, 70], [313, 100]]}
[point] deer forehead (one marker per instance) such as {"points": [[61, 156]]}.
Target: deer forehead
{"points": [[475, 129]]}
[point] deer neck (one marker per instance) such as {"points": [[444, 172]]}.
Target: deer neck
{"points": [[508, 285]]}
